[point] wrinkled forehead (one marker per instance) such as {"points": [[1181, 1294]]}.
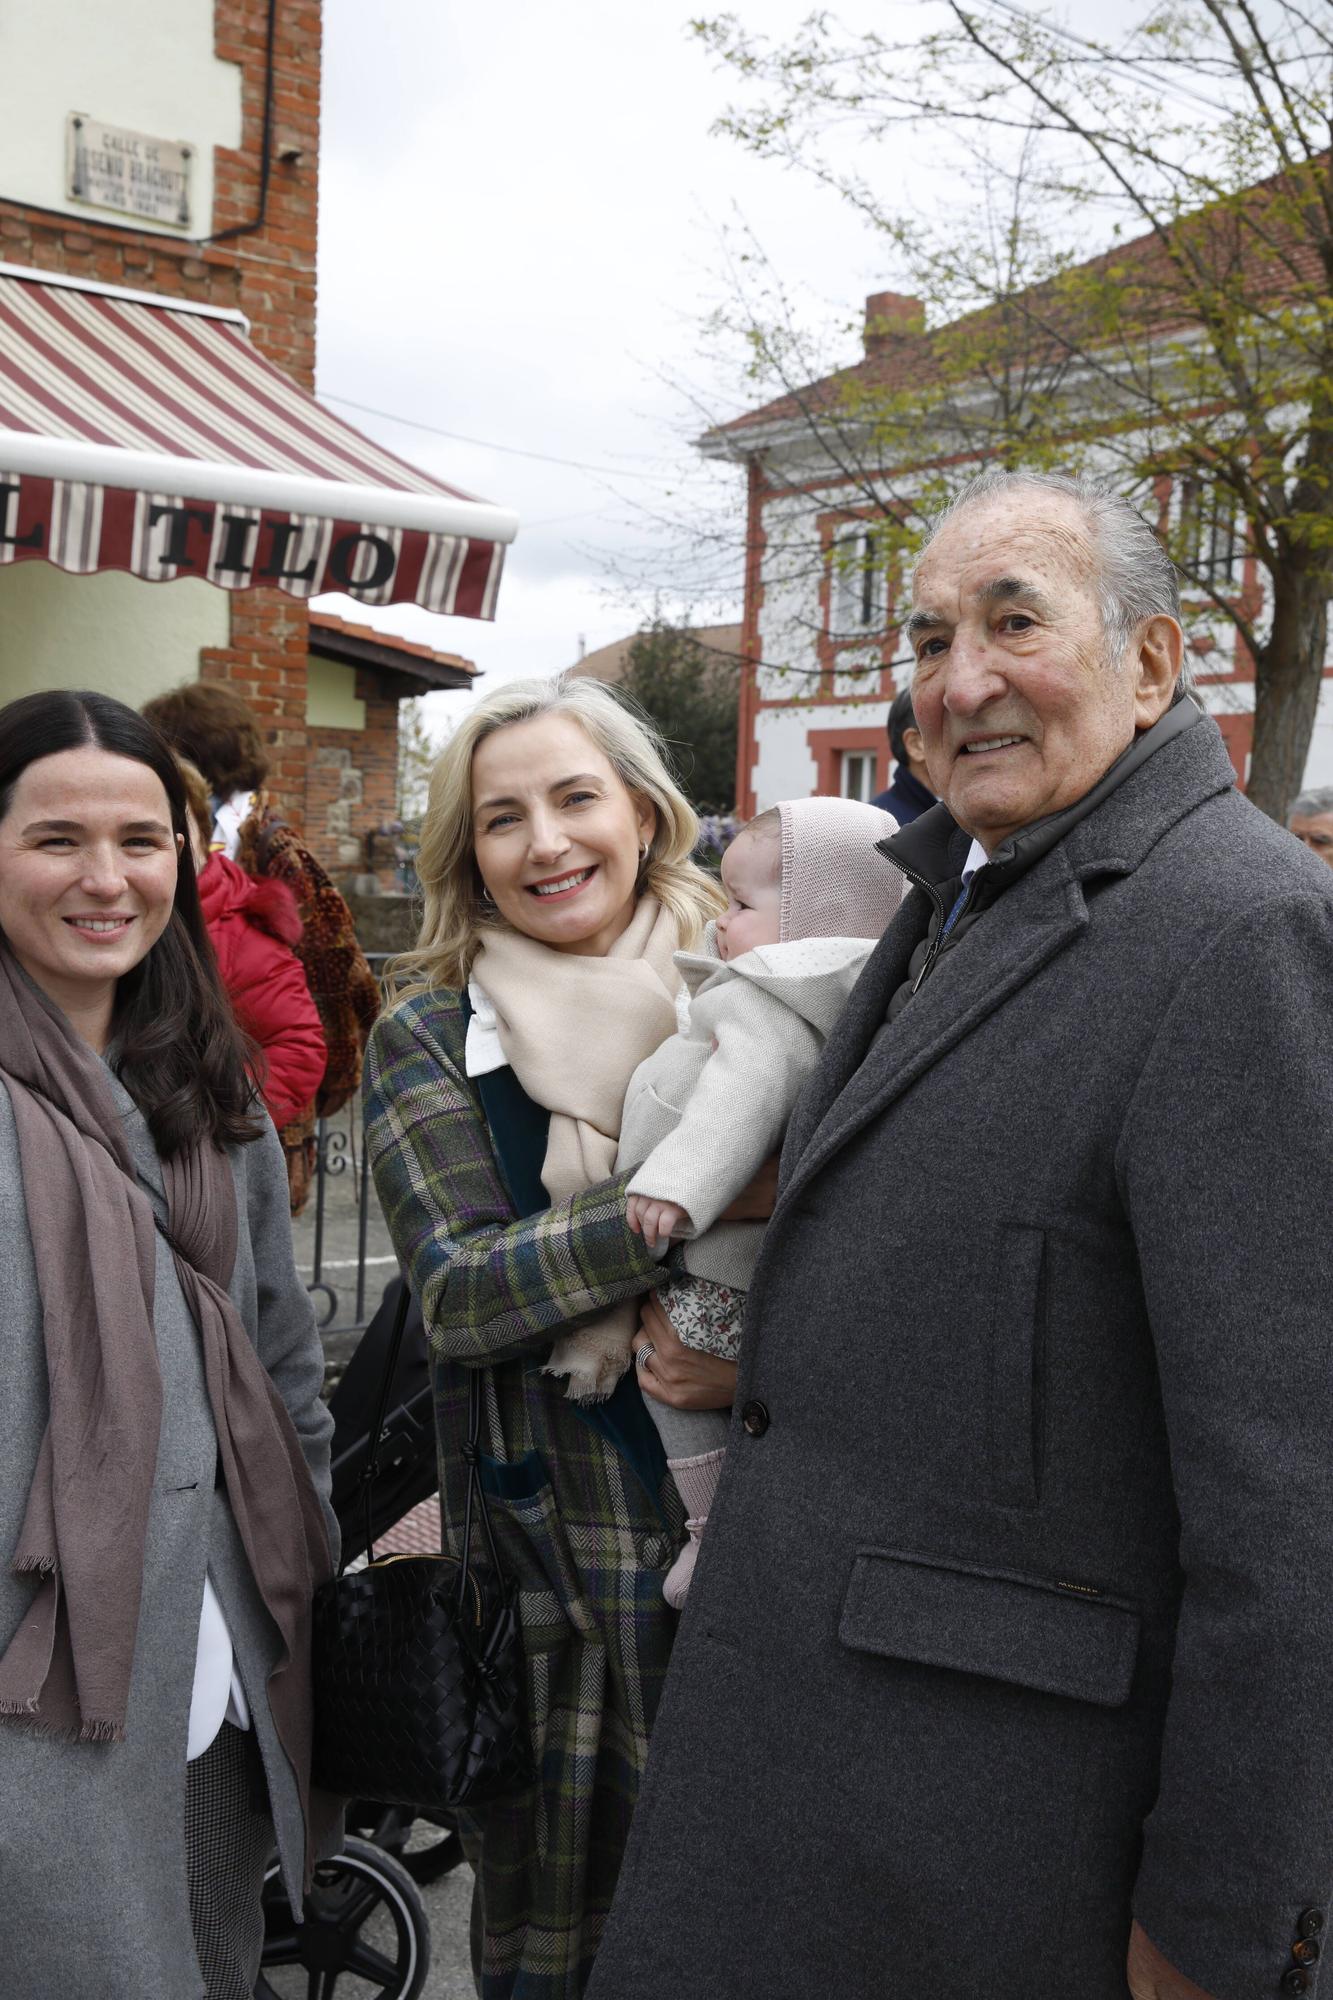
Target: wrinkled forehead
{"points": [[1038, 539]]}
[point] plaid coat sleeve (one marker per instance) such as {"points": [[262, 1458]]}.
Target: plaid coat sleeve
{"points": [[491, 1288]]}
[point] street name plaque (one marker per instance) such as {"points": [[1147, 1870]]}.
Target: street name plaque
{"points": [[132, 173]]}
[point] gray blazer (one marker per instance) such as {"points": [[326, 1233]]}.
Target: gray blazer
{"points": [[93, 1898], [1013, 1615]]}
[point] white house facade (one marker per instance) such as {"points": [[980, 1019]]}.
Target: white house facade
{"points": [[821, 653]]}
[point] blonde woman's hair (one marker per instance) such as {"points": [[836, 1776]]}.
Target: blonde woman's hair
{"points": [[455, 916]]}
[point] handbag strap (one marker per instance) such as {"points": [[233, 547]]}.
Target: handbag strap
{"points": [[471, 1454], [472, 1459], [371, 1470]]}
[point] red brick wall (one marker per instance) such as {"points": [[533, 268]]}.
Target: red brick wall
{"points": [[275, 268], [352, 787], [269, 276], [756, 543], [266, 662]]}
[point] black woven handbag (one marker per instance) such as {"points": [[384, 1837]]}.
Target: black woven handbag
{"points": [[418, 1662]]}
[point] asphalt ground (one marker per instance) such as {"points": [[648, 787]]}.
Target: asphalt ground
{"points": [[447, 1903]]}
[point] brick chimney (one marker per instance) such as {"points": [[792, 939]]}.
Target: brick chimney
{"points": [[891, 316]]}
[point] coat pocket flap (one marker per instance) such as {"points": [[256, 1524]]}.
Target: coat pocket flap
{"points": [[1058, 1638]]}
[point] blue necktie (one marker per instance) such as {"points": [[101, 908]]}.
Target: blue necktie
{"points": [[948, 923]]}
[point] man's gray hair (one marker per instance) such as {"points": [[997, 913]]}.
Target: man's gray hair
{"points": [[1136, 578], [1311, 804]]}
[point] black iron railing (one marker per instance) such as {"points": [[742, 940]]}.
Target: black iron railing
{"points": [[337, 1153], [345, 1287]]}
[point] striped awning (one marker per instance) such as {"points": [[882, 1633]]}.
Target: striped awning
{"points": [[148, 434]]}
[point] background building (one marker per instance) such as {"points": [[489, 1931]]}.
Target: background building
{"points": [[171, 495], [822, 656], [610, 663]]}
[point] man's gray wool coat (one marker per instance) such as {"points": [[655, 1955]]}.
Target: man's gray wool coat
{"points": [[1015, 1611]]}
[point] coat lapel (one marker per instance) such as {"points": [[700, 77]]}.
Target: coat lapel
{"points": [[1019, 935], [854, 1030], [1040, 915]]}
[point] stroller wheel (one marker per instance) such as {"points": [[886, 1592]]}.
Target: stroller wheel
{"points": [[365, 1935]]}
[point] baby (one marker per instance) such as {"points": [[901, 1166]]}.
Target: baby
{"points": [[807, 896]]}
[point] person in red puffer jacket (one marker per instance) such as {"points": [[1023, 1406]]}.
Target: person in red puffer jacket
{"points": [[254, 926]]}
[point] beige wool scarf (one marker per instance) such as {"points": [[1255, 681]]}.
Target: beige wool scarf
{"points": [[574, 1030]]}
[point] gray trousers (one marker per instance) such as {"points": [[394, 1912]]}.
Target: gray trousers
{"points": [[228, 1841]]}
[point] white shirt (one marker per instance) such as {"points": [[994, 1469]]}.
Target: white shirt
{"points": [[977, 857], [228, 819], [482, 1052], [217, 1696]]}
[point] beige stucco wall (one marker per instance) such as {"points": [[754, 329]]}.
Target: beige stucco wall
{"points": [[331, 699], [112, 632], [135, 63]]}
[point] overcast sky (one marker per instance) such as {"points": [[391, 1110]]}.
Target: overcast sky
{"points": [[522, 220], [520, 213]]}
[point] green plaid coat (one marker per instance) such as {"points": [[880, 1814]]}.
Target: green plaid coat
{"points": [[587, 1542]]}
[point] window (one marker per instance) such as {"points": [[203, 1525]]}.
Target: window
{"points": [[850, 762], [857, 775], [859, 584], [1211, 545]]}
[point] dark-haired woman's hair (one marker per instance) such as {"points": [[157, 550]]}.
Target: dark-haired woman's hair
{"points": [[179, 1053], [210, 724]]}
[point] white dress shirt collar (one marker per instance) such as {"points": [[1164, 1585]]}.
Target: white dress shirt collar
{"points": [[977, 857]]}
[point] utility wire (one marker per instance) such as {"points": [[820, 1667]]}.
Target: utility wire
{"points": [[485, 444]]}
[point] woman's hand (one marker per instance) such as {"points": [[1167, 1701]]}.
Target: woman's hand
{"points": [[673, 1373], [1152, 1977], [756, 1202]]}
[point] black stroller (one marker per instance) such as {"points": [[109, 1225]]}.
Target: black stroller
{"points": [[365, 1929]]}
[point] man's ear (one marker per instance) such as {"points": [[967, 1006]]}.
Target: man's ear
{"points": [[914, 746], [1155, 665]]}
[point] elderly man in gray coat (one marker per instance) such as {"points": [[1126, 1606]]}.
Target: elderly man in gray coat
{"points": [[1008, 1665]]}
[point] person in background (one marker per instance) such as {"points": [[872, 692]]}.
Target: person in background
{"points": [[254, 927], [210, 724], [909, 795], [1311, 820], [164, 1451]]}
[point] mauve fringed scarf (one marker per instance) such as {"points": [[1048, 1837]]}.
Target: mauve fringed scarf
{"points": [[67, 1669]]}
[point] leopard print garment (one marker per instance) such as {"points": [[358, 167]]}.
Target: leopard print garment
{"points": [[342, 985]]}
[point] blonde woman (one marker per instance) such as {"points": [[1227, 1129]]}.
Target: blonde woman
{"points": [[555, 861]]}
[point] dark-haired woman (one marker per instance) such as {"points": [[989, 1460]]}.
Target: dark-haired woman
{"points": [[163, 1450]]}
